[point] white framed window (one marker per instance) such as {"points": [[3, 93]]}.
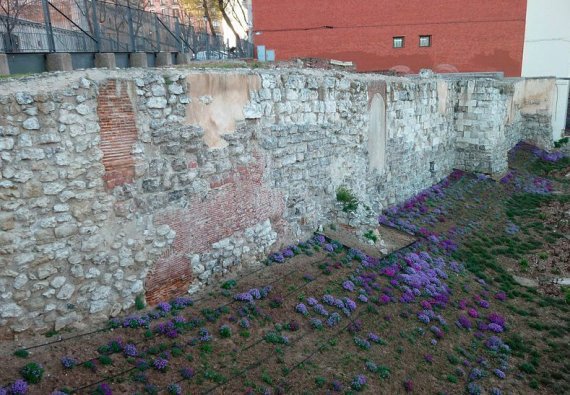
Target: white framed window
{"points": [[425, 41], [398, 42]]}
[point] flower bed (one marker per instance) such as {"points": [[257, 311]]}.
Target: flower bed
{"points": [[440, 316]]}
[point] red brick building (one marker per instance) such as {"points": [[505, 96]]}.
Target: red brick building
{"points": [[444, 35]]}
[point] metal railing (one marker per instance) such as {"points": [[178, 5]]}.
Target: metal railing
{"points": [[99, 26]]}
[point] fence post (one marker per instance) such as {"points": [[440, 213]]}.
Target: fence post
{"points": [[178, 33], [131, 28], [96, 29], [49, 29], [157, 28]]}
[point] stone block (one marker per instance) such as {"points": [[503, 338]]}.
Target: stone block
{"points": [[138, 59], [183, 58], [105, 60], [4, 69], [59, 62], [163, 59]]}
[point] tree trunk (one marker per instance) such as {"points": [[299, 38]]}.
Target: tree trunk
{"points": [[208, 18], [229, 22]]}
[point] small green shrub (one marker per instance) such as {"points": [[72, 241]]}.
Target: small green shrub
{"points": [[452, 359], [266, 378], [206, 348], [225, 332], [21, 353], [347, 198], [214, 376], [229, 284], [561, 142], [383, 371], [527, 368], [275, 338], [32, 372], [105, 360], [139, 302]]}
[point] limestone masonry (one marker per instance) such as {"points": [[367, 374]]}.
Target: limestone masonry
{"points": [[154, 182]]}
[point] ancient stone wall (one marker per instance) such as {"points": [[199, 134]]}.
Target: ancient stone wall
{"points": [[154, 182], [492, 116]]}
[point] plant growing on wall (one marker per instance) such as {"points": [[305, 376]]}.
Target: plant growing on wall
{"points": [[347, 198], [371, 236], [560, 143]]}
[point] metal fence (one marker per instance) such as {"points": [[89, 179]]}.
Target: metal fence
{"points": [[99, 26]]}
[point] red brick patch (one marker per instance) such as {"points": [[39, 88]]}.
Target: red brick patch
{"points": [[118, 133], [237, 201]]}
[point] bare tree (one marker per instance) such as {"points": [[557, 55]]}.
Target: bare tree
{"points": [[206, 9], [208, 15], [238, 13], [11, 11], [231, 11], [224, 6], [114, 16]]}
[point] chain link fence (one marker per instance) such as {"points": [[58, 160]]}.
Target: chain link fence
{"points": [[75, 26]]}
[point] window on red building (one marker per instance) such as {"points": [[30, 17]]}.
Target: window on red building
{"points": [[425, 41], [398, 42]]}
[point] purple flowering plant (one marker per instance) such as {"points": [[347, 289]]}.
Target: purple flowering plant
{"points": [[361, 343], [174, 389], [130, 350], [320, 309], [333, 319], [302, 309], [164, 306], [187, 373], [103, 389], [68, 362], [160, 364], [363, 298], [463, 322], [348, 286], [19, 387], [316, 323], [358, 382]]}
